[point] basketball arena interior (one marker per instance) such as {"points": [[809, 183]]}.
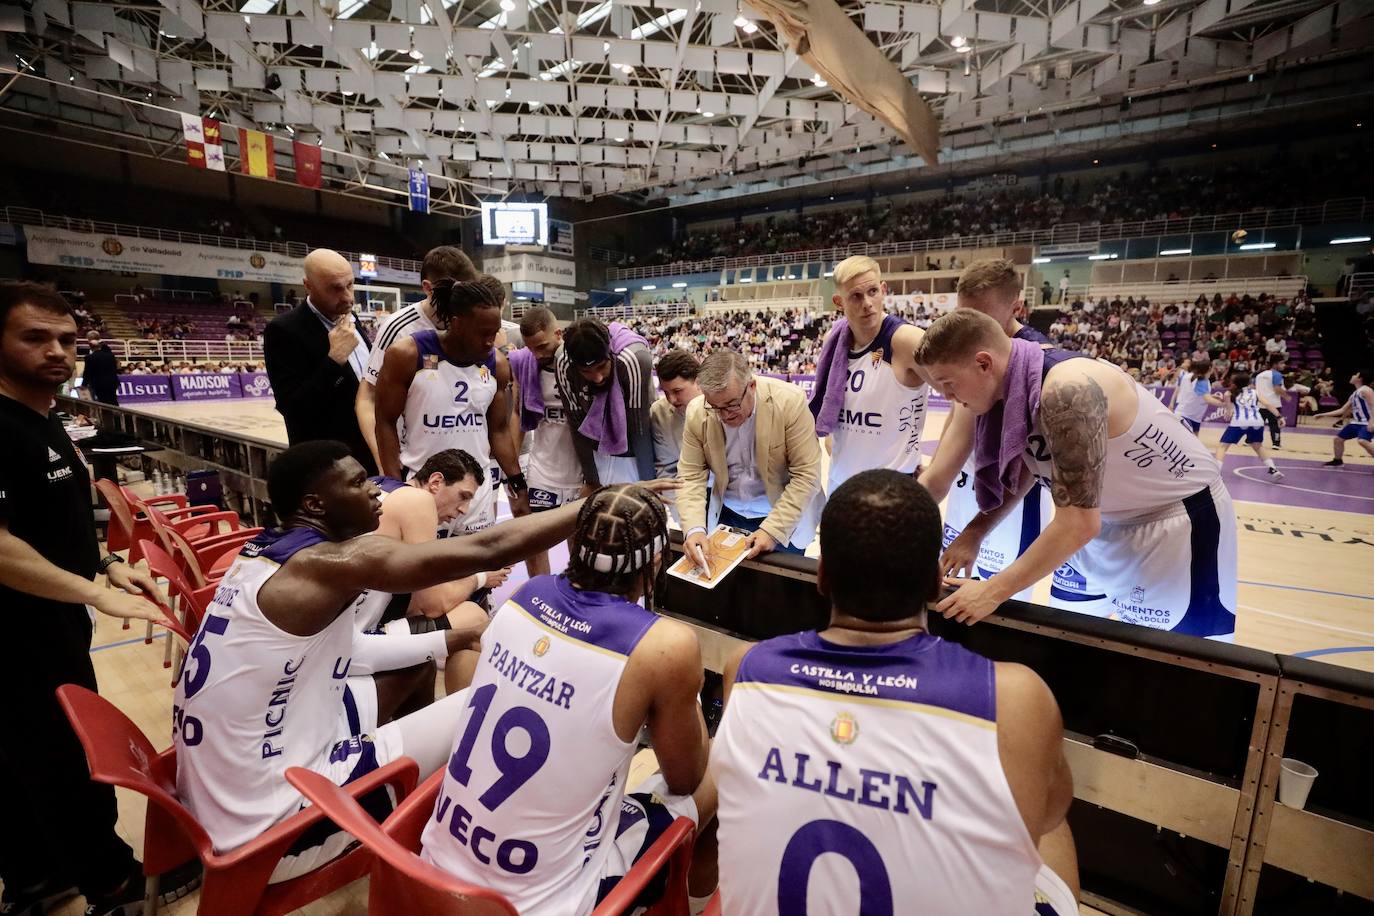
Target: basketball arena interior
{"points": [[1166, 183]]}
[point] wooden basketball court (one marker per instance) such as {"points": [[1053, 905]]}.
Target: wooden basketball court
{"points": [[1306, 584]]}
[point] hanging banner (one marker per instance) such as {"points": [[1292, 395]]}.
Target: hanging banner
{"points": [[551, 271], [560, 237], [419, 191]]}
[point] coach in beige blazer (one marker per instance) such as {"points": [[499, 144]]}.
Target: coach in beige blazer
{"points": [[784, 454]]}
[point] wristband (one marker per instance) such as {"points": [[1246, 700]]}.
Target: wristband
{"points": [[516, 483], [481, 580], [109, 561]]}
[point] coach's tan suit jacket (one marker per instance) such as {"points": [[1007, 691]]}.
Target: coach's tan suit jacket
{"points": [[785, 448]]}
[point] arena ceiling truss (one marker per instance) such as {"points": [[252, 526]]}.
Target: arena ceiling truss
{"points": [[579, 98]]}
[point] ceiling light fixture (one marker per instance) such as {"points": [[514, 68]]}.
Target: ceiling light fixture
{"points": [[508, 5], [740, 21], [416, 54], [964, 49], [958, 41], [708, 114], [749, 28]]}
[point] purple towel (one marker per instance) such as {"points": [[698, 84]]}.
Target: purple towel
{"points": [[1000, 435], [605, 421], [524, 365], [832, 371]]}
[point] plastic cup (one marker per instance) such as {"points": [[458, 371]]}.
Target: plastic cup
{"points": [[1295, 781]]}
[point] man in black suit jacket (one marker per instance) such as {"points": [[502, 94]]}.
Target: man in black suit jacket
{"points": [[101, 375], [316, 353]]}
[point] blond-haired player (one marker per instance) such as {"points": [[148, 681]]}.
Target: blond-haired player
{"points": [[875, 419]]}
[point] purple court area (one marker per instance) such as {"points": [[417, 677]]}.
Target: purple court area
{"points": [[1305, 484]]}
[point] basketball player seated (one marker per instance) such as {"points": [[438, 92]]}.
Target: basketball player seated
{"points": [[534, 802], [874, 768], [415, 511], [266, 681], [1140, 510]]}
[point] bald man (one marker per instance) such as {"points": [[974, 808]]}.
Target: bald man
{"points": [[316, 354]]}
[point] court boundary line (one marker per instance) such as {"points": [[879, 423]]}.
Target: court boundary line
{"points": [[1335, 650], [1286, 486], [1301, 588], [1310, 623], [125, 642]]}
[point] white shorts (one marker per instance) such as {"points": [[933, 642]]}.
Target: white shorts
{"points": [[364, 749], [1172, 570], [544, 497], [614, 470], [1021, 526], [644, 816], [1052, 895]]}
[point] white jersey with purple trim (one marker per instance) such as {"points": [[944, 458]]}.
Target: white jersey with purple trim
{"points": [[532, 793], [446, 407], [1152, 464], [252, 700], [876, 774], [880, 422]]}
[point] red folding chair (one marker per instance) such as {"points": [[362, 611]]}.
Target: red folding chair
{"points": [[235, 882], [402, 882]]}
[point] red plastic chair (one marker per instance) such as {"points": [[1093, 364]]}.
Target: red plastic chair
{"points": [[235, 882], [402, 882], [189, 603], [129, 522]]}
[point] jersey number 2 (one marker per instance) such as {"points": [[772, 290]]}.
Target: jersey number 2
{"points": [[515, 771], [816, 839], [462, 388]]}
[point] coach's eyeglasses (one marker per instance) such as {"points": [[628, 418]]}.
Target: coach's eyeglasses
{"points": [[733, 407]]}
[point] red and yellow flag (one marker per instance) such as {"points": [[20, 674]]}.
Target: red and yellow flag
{"points": [[256, 155]]}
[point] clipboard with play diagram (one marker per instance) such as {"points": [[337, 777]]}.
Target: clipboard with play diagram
{"points": [[726, 548]]}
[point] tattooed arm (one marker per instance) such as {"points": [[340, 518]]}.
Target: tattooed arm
{"points": [[1073, 414]]}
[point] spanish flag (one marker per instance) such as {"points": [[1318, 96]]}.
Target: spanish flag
{"points": [[255, 154]]}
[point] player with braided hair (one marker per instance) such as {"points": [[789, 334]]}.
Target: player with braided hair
{"points": [[614, 537], [449, 389], [578, 668]]}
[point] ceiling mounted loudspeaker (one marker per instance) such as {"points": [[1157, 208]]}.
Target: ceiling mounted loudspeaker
{"points": [[273, 82]]}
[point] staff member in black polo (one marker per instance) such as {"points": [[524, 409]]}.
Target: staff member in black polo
{"points": [[316, 355], [101, 375], [57, 827]]}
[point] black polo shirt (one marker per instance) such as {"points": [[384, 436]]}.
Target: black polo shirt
{"points": [[45, 500]]}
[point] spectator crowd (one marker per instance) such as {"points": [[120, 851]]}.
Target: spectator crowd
{"points": [[1154, 194]]}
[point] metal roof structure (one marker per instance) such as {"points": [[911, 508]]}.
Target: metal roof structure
{"points": [[688, 100]]}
